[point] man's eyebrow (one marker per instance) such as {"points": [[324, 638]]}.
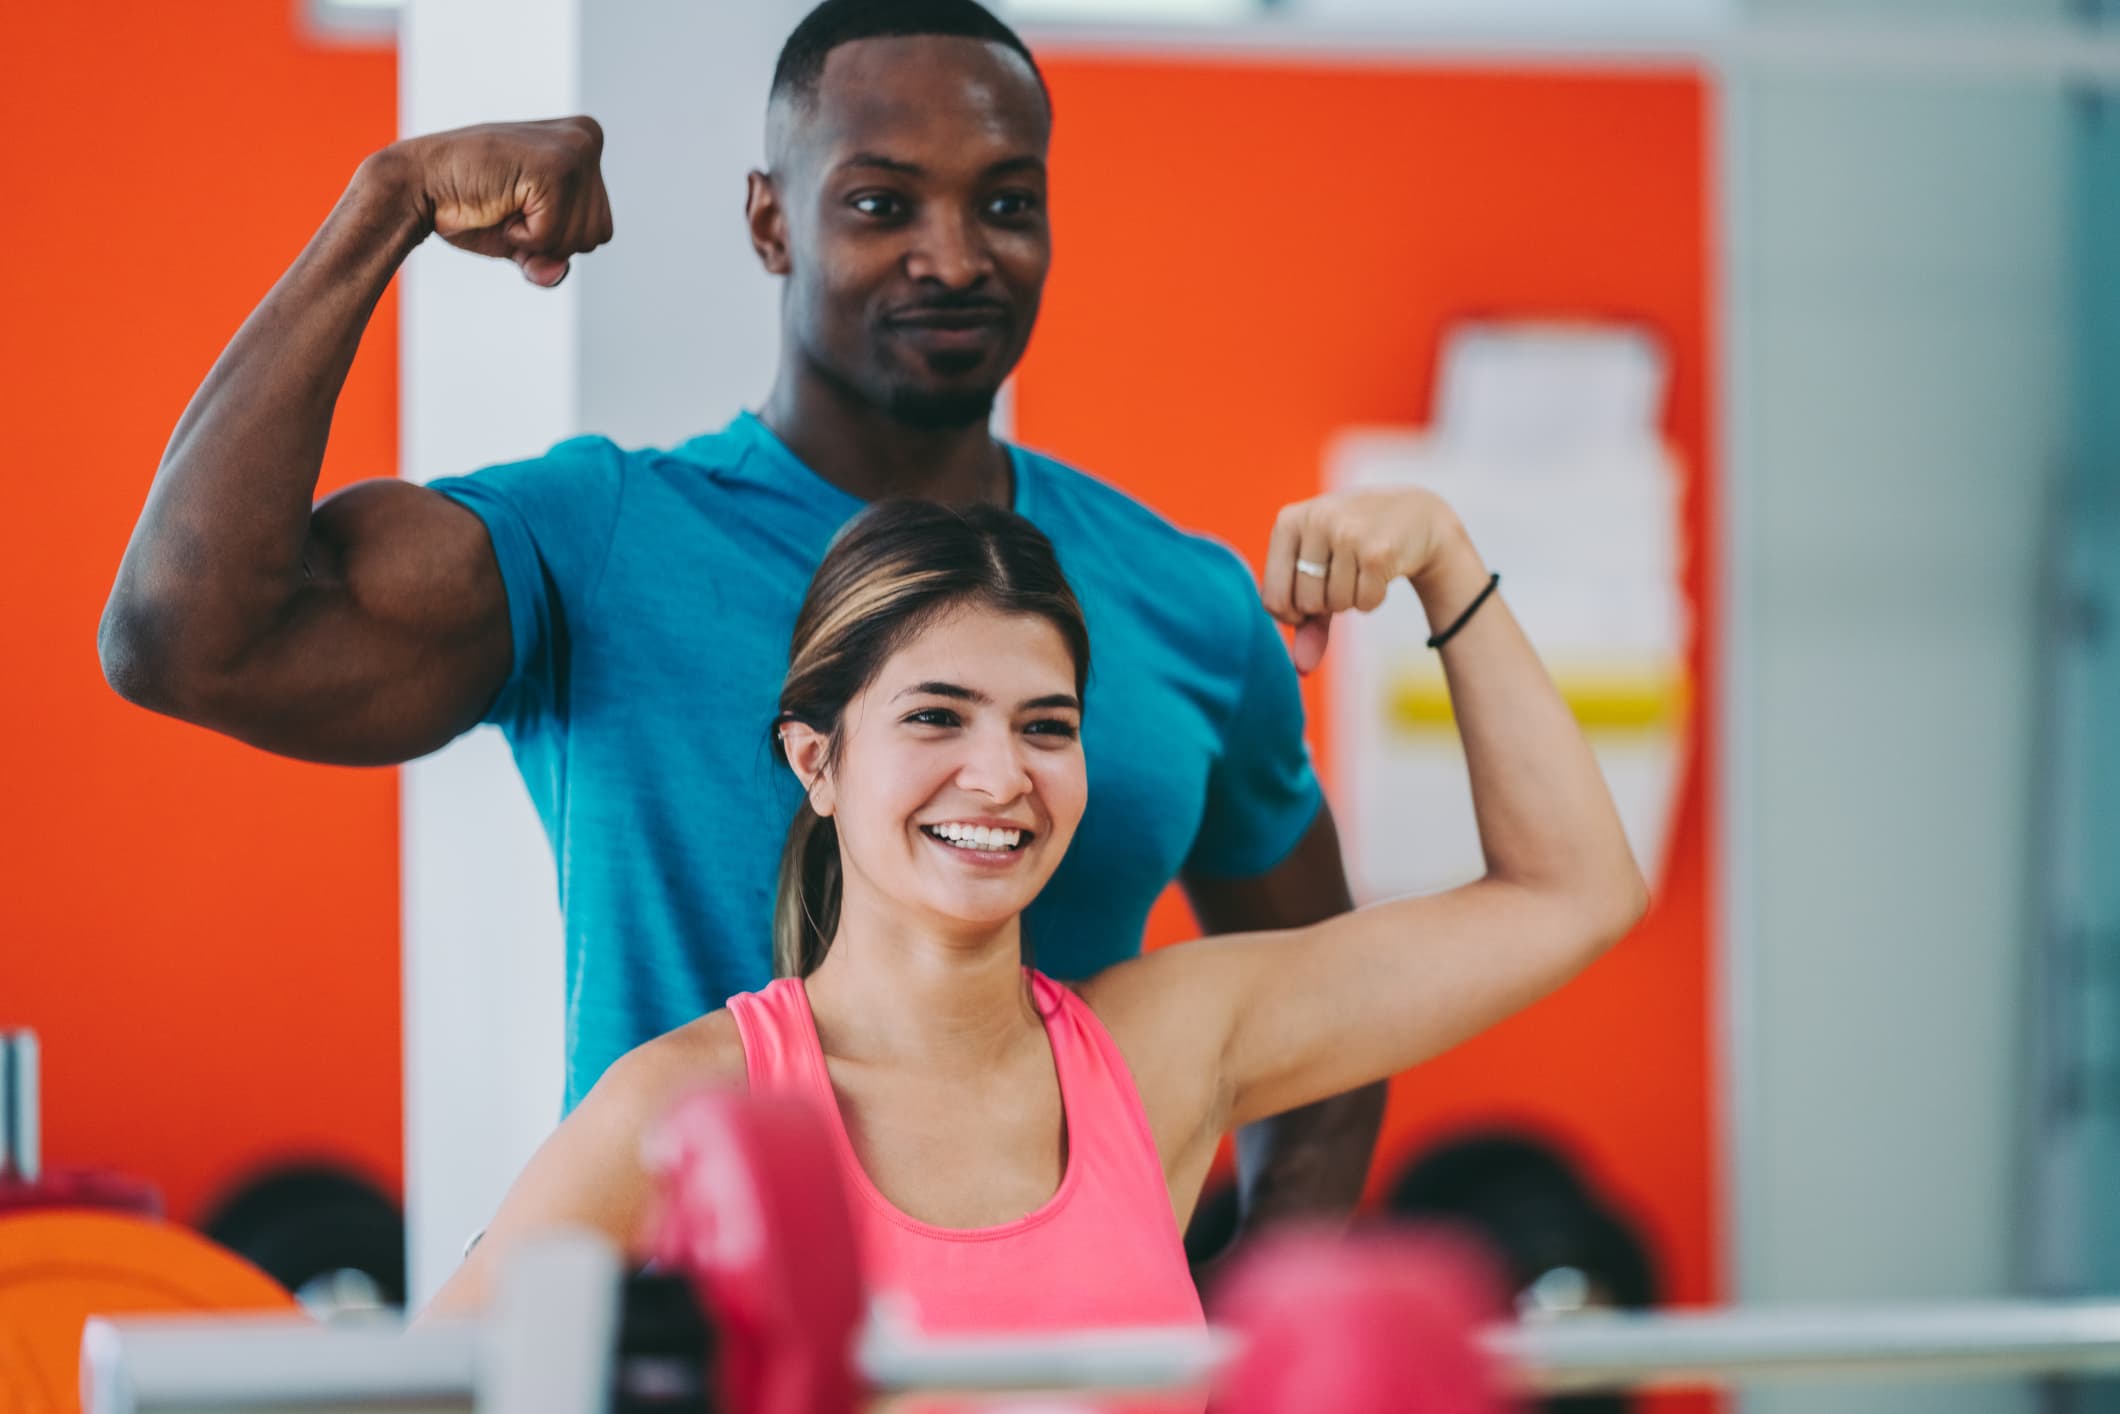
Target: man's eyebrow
{"points": [[944, 689], [888, 164], [1027, 162]]}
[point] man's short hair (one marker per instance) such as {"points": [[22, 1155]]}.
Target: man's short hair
{"points": [[837, 22]]}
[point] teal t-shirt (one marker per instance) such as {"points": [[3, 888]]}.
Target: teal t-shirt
{"points": [[651, 595]]}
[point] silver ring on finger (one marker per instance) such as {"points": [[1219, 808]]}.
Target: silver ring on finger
{"points": [[1311, 568]]}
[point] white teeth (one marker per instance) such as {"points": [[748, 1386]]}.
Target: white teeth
{"points": [[979, 837]]}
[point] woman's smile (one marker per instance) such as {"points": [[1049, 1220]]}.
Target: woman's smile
{"points": [[989, 845]]}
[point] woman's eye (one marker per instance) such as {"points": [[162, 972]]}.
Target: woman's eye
{"points": [[934, 717], [1013, 204], [1053, 727], [878, 203]]}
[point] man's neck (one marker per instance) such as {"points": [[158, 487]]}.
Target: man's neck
{"points": [[869, 454]]}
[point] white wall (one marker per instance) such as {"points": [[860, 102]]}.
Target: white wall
{"points": [[1901, 343], [665, 333]]}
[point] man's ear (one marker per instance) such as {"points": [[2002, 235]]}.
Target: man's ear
{"points": [[768, 221], [806, 750]]}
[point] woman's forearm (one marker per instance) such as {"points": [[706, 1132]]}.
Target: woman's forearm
{"points": [[1546, 820]]}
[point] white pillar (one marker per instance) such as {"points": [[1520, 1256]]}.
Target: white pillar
{"points": [[664, 333], [1905, 346]]}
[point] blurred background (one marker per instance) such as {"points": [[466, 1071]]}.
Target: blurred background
{"points": [[1778, 341]]}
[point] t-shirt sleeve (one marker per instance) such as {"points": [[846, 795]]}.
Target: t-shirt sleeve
{"points": [[551, 520], [1262, 791]]}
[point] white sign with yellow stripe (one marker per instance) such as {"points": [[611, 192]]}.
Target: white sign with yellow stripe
{"points": [[1547, 442]]}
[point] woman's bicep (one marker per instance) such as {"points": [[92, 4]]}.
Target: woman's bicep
{"points": [[1356, 999]]}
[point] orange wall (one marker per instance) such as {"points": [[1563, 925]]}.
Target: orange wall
{"points": [[1252, 257], [207, 937]]}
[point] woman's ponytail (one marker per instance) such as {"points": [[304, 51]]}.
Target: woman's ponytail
{"points": [[806, 905]]}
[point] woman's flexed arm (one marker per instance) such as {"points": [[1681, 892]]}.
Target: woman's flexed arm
{"points": [[1316, 1011]]}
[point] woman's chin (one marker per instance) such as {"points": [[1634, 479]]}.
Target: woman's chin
{"points": [[975, 903], [980, 917]]}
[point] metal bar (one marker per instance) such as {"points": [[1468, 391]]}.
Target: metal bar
{"points": [[1134, 1360], [7, 1104], [177, 1365], [1754, 1344], [167, 1364], [551, 1330], [1705, 1349], [21, 1152]]}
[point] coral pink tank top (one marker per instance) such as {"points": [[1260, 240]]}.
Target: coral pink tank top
{"points": [[1103, 1251]]}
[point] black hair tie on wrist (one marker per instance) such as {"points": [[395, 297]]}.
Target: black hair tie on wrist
{"points": [[1438, 640]]}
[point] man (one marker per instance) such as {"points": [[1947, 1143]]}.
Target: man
{"points": [[624, 615]]}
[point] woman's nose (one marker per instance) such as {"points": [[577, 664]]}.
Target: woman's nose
{"points": [[993, 766]]}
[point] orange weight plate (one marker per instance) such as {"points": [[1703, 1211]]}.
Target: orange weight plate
{"points": [[58, 1268]]}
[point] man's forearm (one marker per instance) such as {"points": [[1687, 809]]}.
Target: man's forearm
{"points": [[1310, 1163]]}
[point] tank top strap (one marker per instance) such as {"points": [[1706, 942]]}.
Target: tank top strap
{"points": [[780, 1049], [1104, 1105]]}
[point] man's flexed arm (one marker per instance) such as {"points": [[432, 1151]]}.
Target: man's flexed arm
{"points": [[373, 627]]}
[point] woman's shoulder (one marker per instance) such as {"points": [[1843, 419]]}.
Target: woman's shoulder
{"points": [[1146, 1001], [712, 1041], [1173, 1003], [1152, 1009], [651, 1077]]}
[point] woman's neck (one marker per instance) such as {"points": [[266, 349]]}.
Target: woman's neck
{"points": [[897, 992]]}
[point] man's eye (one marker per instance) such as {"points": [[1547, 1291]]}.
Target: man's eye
{"points": [[878, 204], [1013, 204]]}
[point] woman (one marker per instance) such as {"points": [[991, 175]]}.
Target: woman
{"points": [[1024, 1155]]}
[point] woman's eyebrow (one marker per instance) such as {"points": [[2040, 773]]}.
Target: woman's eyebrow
{"points": [[944, 689]]}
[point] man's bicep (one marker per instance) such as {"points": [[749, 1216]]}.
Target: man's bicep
{"points": [[393, 645], [431, 608]]}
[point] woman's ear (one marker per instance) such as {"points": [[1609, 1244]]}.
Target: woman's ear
{"points": [[806, 750]]}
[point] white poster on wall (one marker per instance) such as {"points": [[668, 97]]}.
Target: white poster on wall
{"points": [[1547, 440]]}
